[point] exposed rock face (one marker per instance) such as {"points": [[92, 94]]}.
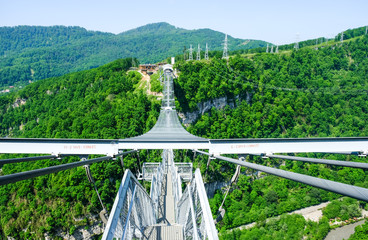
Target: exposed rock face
{"points": [[213, 186], [18, 102], [83, 233], [218, 103]]}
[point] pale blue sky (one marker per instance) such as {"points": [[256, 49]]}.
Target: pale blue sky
{"points": [[274, 21]]}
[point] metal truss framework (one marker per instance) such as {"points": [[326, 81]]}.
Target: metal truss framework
{"points": [[194, 212], [133, 210]]}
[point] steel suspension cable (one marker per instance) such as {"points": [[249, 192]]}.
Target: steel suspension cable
{"points": [[323, 161], [337, 187], [26, 159], [11, 178]]}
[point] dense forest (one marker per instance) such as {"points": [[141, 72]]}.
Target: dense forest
{"points": [[30, 53], [305, 93], [97, 103]]}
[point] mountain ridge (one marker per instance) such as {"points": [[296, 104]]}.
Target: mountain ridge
{"points": [[30, 53]]}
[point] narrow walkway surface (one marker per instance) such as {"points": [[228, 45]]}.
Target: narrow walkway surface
{"points": [[167, 229], [169, 201], [161, 232]]}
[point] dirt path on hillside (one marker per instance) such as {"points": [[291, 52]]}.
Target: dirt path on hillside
{"points": [[147, 81]]}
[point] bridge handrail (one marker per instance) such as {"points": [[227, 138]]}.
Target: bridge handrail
{"points": [[175, 178], [156, 186], [194, 213], [132, 211]]}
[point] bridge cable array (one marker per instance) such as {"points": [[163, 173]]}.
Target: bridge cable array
{"points": [[26, 159], [336, 187], [15, 177], [317, 160]]}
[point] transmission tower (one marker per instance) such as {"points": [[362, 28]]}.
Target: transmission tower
{"points": [[296, 46], [198, 53], [184, 52], [271, 49], [277, 49], [190, 53], [267, 48], [224, 54], [316, 48], [206, 53], [342, 37]]}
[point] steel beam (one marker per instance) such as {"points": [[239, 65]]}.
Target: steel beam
{"points": [[59, 146], [288, 145], [152, 144]]}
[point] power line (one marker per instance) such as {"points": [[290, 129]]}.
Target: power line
{"points": [[330, 90]]}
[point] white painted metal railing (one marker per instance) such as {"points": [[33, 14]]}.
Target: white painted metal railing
{"points": [[133, 210], [194, 213], [156, 186], [175, 177]]}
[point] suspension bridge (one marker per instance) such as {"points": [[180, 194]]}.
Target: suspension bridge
{"points": [[168, 212]]}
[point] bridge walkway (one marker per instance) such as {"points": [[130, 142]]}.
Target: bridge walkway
{"points": [[166, 229]]}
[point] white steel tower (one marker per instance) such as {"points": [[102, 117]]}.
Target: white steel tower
{"points": [[296, 46], [224, 54], [199, 53], [190, 53], [206, 53], [342, 37]]}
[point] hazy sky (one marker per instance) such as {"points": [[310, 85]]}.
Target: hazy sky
{"points": [[274, 21]]}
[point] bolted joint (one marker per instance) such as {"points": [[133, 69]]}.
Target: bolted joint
{"points": [[265, 155], [363, 153]]}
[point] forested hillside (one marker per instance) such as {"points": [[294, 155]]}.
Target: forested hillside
{"points": [[304, 93], [97, 103], [294, 94], [29, 53]]}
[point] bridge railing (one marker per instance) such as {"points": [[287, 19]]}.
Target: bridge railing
{"points": [[132, 211], [148, 170], [156, 186], [175, 178], [185, 170], [194, 213]]}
